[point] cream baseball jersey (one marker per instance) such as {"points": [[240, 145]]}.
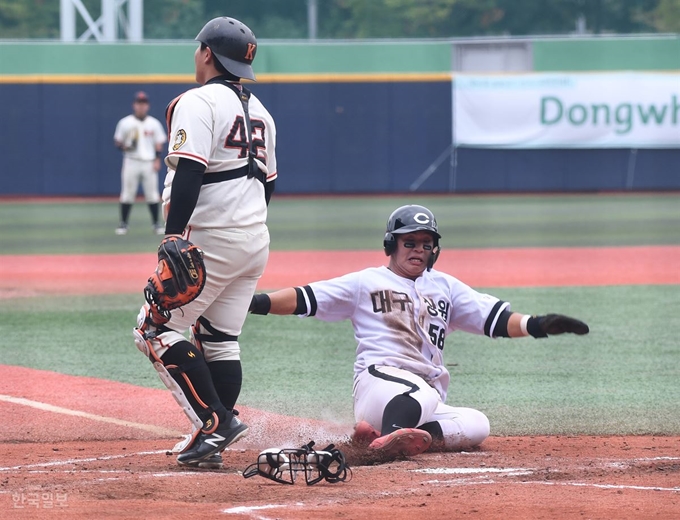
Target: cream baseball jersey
{"points": [[140, 136], [208, 126], [403, 323]]}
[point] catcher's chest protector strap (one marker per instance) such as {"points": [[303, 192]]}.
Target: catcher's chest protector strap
{"points": [[169, 110], [227, 175], [214, 336], [244, 95]]}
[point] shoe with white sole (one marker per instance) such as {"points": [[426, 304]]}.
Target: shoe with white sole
{"points": [[213, 462], [405, 442], [209, 444]]}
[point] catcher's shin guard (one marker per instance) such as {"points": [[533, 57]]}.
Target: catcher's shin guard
{"points": [[187, 366], [146, 348], [180, 364]]}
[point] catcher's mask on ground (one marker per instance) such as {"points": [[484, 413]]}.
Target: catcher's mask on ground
{"points": [[408, 219], [232, 43], [286, 465]]}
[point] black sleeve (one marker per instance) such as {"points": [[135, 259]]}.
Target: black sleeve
{"points": [[497, 320], [301, 307], [501, 328], [268, 190], [186, 185]]}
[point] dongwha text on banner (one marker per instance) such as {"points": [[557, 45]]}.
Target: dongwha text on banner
{"points": [[604, 110]]}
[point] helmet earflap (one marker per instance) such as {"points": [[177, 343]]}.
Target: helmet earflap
{"points": [[433, 257], [389, 244]]}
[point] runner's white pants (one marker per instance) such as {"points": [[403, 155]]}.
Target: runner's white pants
{"points": [[463, 428]]}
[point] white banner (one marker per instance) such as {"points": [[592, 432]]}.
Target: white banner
{"points": [[603, 110]]}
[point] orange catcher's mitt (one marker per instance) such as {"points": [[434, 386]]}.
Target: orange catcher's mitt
{"points": [[179, 277]]}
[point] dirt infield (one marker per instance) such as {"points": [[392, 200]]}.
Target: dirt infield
{"points": [[514, 478], [105, 456]]}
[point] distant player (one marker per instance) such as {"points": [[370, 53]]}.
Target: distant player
{"points": [[222, 171], [141, 138], [401, 316]]}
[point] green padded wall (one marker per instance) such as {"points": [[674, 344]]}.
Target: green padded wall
{"points": [[607, 54], [171, 62], [177, 58]]}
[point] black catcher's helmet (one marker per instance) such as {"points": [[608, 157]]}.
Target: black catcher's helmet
{"points": [[408, 219], [233, 44], [286, 465]]}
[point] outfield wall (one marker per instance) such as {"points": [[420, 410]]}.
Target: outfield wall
{"points": [[351, 117], [343, 57], [331, 137]]}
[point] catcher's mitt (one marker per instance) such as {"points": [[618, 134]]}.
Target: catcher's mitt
{"points": [[179, 277]]}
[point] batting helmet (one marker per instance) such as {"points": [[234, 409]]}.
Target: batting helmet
{"points": [[233, 44], [408, 219]]}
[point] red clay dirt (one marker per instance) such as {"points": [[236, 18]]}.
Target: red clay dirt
{"points": [[29, 275], [98, 469], [64, 456]]}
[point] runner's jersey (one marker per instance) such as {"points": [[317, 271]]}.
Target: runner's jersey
{"points": [[208, 126], [403, 323]]}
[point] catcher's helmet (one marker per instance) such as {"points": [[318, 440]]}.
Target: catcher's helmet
{"points": [[233, 44], [408, 219], [285, 465]]}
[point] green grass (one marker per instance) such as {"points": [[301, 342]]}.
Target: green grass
{"points": [[622, 378], [359, 222]]}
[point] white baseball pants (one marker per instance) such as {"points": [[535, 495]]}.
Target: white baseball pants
{"points": [[235, 260], [463, 428], [134, 172]]}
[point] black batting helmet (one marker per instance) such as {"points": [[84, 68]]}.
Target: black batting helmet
{"points": [[408, 219], [233, 44]]}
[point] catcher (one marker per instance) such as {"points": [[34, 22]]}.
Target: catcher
{"points": [[402, 315], [221, 171]]}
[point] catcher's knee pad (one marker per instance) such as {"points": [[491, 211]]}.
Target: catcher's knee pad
{"points": [[151, 335], [215, 344]]}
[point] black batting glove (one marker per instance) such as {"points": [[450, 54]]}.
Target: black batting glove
{"points": [[552, 324]]}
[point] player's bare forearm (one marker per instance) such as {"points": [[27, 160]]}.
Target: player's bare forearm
{"points": [[283, 301], [514, 325]]}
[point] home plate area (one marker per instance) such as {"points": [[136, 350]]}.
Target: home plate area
{"points": [[509, 477]]}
